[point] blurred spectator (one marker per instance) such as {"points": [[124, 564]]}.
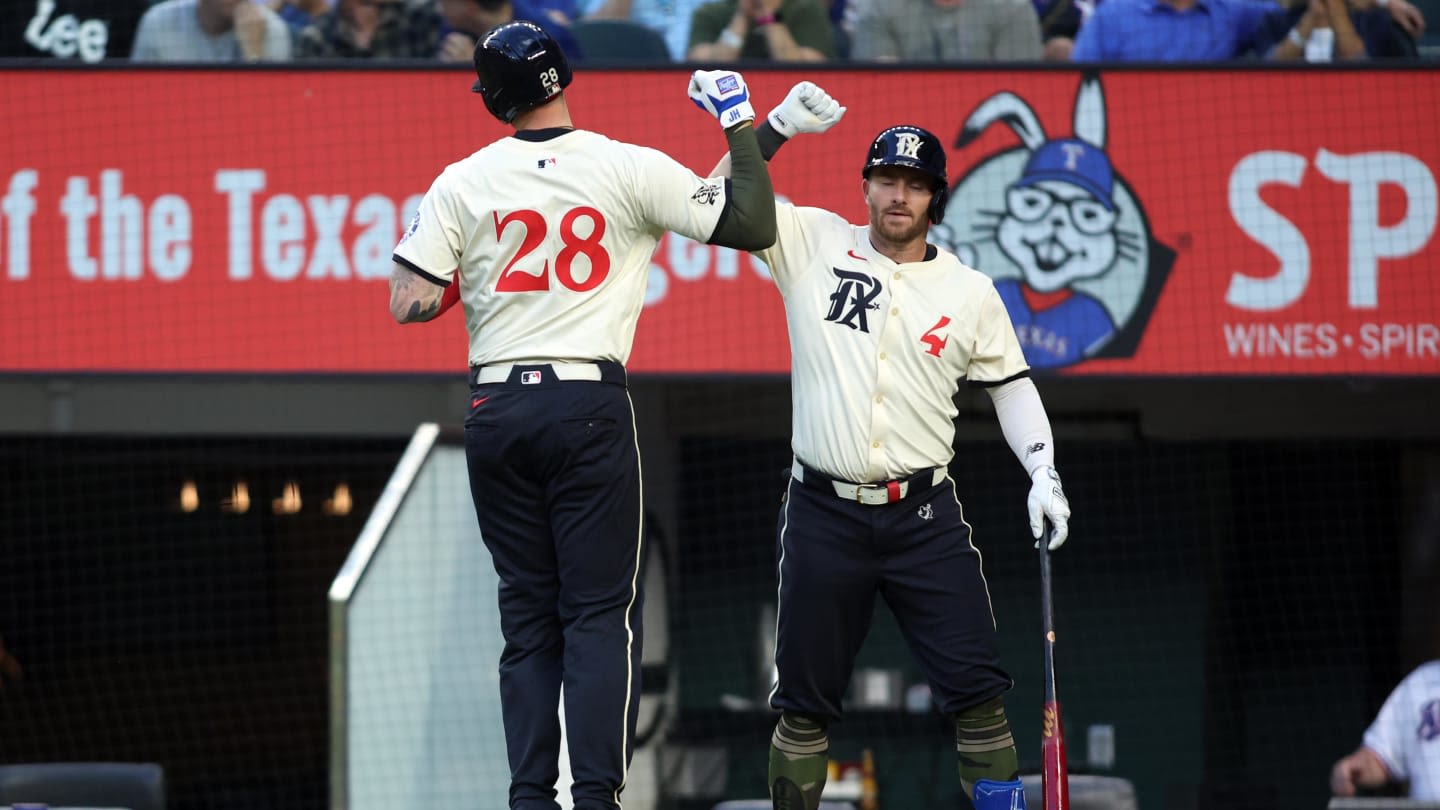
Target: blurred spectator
{"points": [[563, 12], [1060, 22], [373, 29], [841, 14], [1407, 16], [778, 30], [946, 31], [465, 21], [211, 31], [1402, 745], [1173, 31], [1336, 31], [87, 30], [299, 13], [668, 18]]}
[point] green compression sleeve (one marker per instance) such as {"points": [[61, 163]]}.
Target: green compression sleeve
{"points": [[748, 221]]}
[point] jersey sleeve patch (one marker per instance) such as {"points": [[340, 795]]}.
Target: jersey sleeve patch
{"points": [[708, 192], [414, 226]]}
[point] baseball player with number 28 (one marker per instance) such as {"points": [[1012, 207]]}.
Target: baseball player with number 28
{"points": [[552, 230], [883, 327]]}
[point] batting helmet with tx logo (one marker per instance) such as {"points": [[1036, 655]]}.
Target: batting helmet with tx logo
{"points": [[913, 148]]}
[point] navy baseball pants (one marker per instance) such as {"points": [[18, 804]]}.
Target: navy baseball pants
{"points": [[555, 476], [834, 556]]}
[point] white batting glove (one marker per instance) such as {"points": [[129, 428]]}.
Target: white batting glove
{"points": [[723, 94], [1047, 500], [807, 108]]}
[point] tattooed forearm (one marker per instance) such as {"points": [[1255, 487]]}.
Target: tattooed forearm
{"points": [[412, 298], [421, 312]]}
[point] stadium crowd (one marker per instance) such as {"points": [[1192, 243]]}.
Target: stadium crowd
{"points": [[721, 31]]}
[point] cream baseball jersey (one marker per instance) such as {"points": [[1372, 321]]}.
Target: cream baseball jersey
{"points": [[552, 241], [878, 348], [1406, 732]]}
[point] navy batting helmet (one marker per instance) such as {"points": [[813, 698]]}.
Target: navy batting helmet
{"points": [[519, 67], [913, 148]]}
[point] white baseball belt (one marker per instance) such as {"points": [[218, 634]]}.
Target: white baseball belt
{"points": [[500, 372], [870, 494]]}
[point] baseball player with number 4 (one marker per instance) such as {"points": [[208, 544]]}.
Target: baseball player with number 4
{"points": [[883, 328], [546, 236]]}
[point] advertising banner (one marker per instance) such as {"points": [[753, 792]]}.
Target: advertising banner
{"points": [[1208, 222]]}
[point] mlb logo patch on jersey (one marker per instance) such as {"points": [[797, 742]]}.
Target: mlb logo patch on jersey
{"points": [[410, 231], [727, 84], [529, 378]]}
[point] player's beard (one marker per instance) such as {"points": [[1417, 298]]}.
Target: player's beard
{"points": [[896, 233]]}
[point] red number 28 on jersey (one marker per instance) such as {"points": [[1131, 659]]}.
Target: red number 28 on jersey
{"points": [[515, 278]]}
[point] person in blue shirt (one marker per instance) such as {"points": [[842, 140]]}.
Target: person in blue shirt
{"points": [[1172, 31], [1217, 30]]}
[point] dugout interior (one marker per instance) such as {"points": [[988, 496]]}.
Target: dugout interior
{"points": [[1252, 568]]}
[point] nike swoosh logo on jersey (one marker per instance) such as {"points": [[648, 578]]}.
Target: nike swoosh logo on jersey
{"points": [[475, 403], [852, 254]]}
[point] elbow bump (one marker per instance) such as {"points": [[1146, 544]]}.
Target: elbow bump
{"points": [[763, 239], [751, 240], [765, 233]]}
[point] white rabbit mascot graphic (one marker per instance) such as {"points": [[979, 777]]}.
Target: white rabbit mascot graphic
{"points": [[1060, 232]]}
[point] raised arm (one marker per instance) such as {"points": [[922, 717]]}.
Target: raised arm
{"points": [[748, 222], [806, 108]]}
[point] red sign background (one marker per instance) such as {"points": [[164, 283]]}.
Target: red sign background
{"points": [[330, 140]]}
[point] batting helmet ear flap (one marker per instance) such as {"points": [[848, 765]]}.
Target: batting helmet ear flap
{"points": [[938, 202]]}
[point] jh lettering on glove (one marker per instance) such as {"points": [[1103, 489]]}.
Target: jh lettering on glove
{"points": [[723, 94]]}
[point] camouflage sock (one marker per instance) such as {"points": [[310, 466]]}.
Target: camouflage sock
{"points": [[799, 755], [985, 747]]}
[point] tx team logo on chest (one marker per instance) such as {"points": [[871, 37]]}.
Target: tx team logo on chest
{"points": [[854, 294]]}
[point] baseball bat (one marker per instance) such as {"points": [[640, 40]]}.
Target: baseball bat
{"points": [[1054, 776]]}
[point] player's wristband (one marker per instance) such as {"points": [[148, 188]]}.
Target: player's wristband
{"points": [[450, 297], [1295, 38], [730, 39], [770, 140], [769, 19]]}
